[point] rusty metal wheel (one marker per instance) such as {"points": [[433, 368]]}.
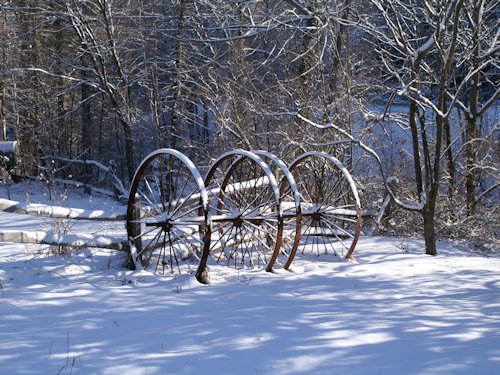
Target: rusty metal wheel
{"points": [[331, 211], [290, 201], [167, 214], [246, 214]]}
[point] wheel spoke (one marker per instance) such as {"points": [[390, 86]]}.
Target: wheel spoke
{"points": [[170, 167], [179, 202], [306, 235], [160, 186], [326, 242], [222, 241], [162, 255], [172, 250], [152, 204], [334, 189], [148, 246], [181, 234], [187, 212], [223, 199], [234, 248], [339, 239], [257, 237], [151, 248], [338, 227], [143, 234]]}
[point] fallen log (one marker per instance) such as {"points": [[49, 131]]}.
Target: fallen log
{"points": [[57, 212], [9, 154], [69, 240]]}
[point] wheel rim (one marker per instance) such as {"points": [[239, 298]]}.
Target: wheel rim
{"points": [[331, 211], [167, 213], [290, 201], [247, 222]]}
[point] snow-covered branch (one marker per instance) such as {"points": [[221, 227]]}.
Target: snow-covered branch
{"points": [[117, 183], [408, 206], [487, 191]]}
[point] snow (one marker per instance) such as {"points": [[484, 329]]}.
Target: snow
{"points": [[392, 311], [8, 147]]}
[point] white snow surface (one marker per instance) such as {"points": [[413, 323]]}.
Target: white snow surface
{"points": [[392, 311]]}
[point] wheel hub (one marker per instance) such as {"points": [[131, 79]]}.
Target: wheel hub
{"points": [[167, 227], [316, 216], [238, 222]]}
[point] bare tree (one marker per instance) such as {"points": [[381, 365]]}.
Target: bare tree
{"points": [[419, 47], [3, 68], [480, 51], [111, 63]]}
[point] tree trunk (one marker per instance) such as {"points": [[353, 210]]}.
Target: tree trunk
{"points": [[86, 122], [306, 67], [3, 39], [412, 116], [471, 124], [470, 158], [175, 126], [129, 148], [429, 230], [3, 119], [30, 129], [450, 164]]}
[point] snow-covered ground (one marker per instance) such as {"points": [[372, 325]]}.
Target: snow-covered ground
{"points": [[392, 311]]}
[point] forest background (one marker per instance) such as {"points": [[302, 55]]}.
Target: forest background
{"points": [[404, 92]]}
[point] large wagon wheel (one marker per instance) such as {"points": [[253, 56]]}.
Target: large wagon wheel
{"points": [[167, 213], [331, 211], [245, 210], [290, 201]]}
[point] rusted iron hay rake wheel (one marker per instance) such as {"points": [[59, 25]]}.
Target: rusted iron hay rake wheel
{"points": [[167, 214], [290, 202], [330, 206], [246, 214], [239, 215]]}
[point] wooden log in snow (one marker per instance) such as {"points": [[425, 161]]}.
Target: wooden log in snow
{"points": [[70, 240], [10, 151], [57, 212]]}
